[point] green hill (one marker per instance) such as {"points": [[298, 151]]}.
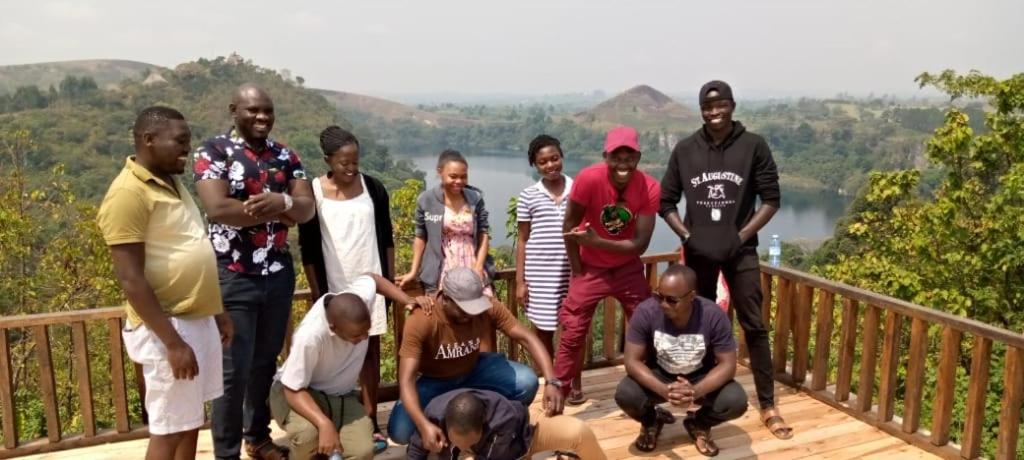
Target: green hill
{"points": [[361, 107], [87, 128], [105, 72]]}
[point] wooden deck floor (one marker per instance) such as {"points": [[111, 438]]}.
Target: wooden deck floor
{"points": [[820, 431]]}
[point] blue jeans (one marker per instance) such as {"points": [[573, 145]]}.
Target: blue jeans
{"points": [[492, 372], [260, 307]]}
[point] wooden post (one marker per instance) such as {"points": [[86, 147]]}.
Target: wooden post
{"points": [[120, 390], [608, 341], [766, 299], [79, 337], [7, 393], [782, 325], [823, 340], [802, 333], [946, 386], [847, 349], [47, 386], [1009, 412], [513, 307], [915, 375], [890, 363], [868, 359], [977, 389]]}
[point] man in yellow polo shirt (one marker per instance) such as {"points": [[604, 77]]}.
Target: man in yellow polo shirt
{"points": [[167, 268]]}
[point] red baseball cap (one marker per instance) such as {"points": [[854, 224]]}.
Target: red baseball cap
{"points": [[621, 136]]}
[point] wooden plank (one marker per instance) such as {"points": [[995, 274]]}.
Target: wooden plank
{"points": [[1013, 397], [64, 317], [783, 321], [823, 340], [10, 418], [608, 333], [868, 358], [847, 349], [47, 385], [932, 316], [977, 390], [766, 298], [802, 333], [946, 386], [513, 306], [890, 363], [79, 339], [915, 375], [652, 274], [117, 382]]}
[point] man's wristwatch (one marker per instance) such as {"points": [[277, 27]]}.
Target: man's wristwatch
{"points": [[557, 383], [288, 202], [683, 239]]}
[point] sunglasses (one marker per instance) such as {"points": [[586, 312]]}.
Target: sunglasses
{"points": [[673, 300]]}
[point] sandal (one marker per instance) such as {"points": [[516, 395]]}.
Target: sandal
{"points": [[647, 441], [775, 424], [266, 450], [576, 398], [701, 437], [380, 442]]}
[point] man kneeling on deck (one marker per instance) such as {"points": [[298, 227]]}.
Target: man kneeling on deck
{"points": [[313, 397], [441, 351], [488, 426], [680, 349]]}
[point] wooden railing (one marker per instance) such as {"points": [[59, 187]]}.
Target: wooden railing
{"points": [[801, 318], [806, 311]]}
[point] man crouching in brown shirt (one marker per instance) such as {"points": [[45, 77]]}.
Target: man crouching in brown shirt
{"points": [[443, 348]]}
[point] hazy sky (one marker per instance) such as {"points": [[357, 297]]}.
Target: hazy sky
{"points": [[384, 47]]}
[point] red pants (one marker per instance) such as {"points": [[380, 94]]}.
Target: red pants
{"points": [[626, 283]]}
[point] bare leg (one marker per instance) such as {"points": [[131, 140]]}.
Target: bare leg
{"points": [[369, 379], [164, 447], [186, 449]]}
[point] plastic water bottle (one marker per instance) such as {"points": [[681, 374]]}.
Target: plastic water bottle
{"points": [[775, 252], [336, 455]]}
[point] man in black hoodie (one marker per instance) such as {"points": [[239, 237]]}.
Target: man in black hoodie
{"points": [[722, 169], [491, 427]]}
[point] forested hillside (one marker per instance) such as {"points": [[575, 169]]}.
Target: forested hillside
{"points": [[86, 128]]}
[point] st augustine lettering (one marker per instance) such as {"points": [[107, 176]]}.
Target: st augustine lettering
{"points": [[717, 175], [457, 350]]}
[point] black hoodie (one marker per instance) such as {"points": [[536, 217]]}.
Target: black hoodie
{"points": [[720, 184], [506, 435]]}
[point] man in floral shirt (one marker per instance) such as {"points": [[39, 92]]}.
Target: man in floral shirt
{"points": [[252, 189]]}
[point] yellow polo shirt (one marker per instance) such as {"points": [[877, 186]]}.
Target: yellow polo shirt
{"points": [[180, 264]]}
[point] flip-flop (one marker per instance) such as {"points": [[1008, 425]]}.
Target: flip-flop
{"points": [[576, 398], [647, 441], [380, 442], [775, 424], [701, 438]]}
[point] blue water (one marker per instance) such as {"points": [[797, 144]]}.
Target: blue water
{"points": [[805, 215]]}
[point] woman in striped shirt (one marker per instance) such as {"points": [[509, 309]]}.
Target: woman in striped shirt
{"points": [[542, 268]]}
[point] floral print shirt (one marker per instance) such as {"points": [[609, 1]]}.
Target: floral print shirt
{"points": [[260, 249]]}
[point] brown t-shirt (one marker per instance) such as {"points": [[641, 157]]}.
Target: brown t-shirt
{"points": [[447, 350]]}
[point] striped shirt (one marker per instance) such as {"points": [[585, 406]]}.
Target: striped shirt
{"points": [[547, 266]]}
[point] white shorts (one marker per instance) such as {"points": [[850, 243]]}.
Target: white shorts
{"points": [[175, 405]]}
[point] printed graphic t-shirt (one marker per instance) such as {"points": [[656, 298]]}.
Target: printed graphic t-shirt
{"points": [[613, 216], [683, 351], [447, 349]]}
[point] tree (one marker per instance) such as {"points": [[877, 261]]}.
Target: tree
{"points": [[960, 249]]}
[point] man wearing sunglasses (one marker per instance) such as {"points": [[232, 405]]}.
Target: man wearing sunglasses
{"points": [[444, 349], [680, 349]]}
